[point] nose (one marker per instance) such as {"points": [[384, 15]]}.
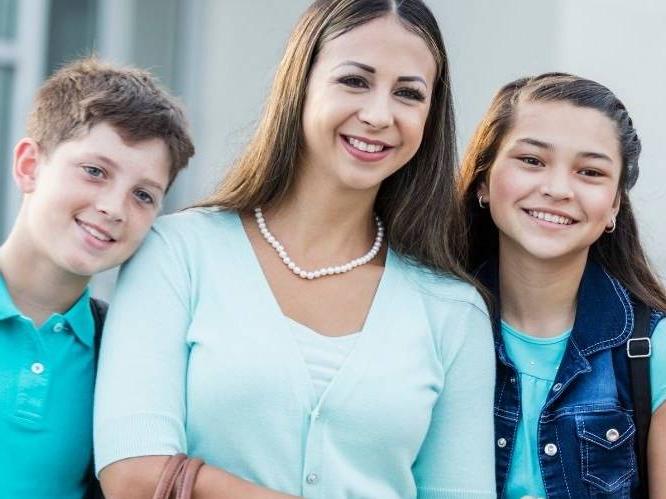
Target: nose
{"points": [[376, 111], [556, 185], [111, 205]]}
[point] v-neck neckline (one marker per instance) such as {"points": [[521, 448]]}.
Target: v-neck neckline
{"points": [[351, 368]]}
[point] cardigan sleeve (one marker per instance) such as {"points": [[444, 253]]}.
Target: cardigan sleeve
{"points": [[457, 458], [140, 390]]}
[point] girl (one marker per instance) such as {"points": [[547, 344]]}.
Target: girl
{"points": [[545, 184], [305, 331]]}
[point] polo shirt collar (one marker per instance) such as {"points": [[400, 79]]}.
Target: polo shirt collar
{"points": [[79, 316], [7, 307], [80, 319]]}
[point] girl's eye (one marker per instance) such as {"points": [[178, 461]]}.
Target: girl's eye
{"points": [[94, 171], [587, 172], [144, 197], [354, 81], [410, 93], [531, 160]]}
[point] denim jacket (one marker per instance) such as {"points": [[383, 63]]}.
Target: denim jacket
{"points": [[586, 428]]}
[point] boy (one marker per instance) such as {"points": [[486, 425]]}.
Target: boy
{"points": [[103, 146]]}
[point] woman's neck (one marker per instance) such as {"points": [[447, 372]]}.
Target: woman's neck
{"points": [[318, 222], [538, 297]]}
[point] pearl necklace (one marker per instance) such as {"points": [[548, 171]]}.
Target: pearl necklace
{"points": [[324, 271]]}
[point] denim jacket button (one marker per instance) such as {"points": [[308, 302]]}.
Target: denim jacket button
{"points": [[557, 387], [501, 443], [550, 449], [612, 435], [512, 379]]}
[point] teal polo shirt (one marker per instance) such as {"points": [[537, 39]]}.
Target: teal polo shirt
{"points": [[46, 395]]}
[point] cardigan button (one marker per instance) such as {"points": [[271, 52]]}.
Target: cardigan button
{"points": [[612, 435], [312, 479], [550, 449], [501, 443]]}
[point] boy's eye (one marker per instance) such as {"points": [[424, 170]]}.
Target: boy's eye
{"points": [[144, 197], [410, 93], [354, 81], [94, 171]]}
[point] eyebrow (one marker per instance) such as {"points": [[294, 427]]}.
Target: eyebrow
{"points": [[105, 159], [549, 147], [370, 69]]}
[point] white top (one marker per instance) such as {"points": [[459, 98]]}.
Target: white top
{"points": [[323, 355]]}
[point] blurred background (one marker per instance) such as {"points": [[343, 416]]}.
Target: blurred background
{"points": [[219, 57]]}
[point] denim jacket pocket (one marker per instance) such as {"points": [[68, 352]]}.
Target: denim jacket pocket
{"points": [[607, 453]]}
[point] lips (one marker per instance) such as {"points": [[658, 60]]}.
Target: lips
{"points": [[548, 216], [95, 231], [365, 149]]}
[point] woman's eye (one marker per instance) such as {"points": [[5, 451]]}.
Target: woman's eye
{"points": [[530, 160], [94, 171], [144, 197], [354, 81], [410, 93]]}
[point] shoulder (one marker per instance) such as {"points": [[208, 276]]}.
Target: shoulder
{"points": [[438, 290]]}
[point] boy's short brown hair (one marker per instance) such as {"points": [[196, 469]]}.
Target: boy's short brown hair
{"points": [[87, 92]]}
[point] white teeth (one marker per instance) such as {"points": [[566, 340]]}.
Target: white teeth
{"points": [[94, 232], [362, 146], [549, 217]]}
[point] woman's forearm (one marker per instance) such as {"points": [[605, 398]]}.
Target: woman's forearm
{"points": [[136, 478]]}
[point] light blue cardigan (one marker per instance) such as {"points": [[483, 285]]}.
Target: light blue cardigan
{"points": [[197, 357]]}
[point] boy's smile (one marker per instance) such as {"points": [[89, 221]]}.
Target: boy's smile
{"points": [[92, 200]]}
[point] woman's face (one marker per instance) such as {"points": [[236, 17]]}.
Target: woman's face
{"points": [[553, 187], [366, 105]]}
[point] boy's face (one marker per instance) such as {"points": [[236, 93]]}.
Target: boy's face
{"points": [[90, 203]]}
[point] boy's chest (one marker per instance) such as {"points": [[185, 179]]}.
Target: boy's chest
{"points": [[46, 392]]}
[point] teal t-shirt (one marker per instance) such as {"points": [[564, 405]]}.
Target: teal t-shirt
{"points": [[46, 390], [537, 361]]}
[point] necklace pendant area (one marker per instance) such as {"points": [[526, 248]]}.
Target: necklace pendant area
{"points": [[324, 271]]}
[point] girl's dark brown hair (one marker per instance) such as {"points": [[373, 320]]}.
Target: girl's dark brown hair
{"points": [[619, 252], [417, 202]]}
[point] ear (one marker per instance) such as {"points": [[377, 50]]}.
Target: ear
{"points": [[616, 206], [26, 162], [482, 190]]}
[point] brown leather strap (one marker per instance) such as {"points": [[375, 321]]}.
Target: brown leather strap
{"points": [[170, 473], [188, 476]]}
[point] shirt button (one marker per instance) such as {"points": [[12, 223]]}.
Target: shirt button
{"points": [[557, 387], [315, 414], [37, 368], [59, 326], [312, 479], [550, 449], [612, 435], [501, 443]]}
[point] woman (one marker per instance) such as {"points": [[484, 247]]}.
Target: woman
{"points": [[273, 332], [545, 184]]}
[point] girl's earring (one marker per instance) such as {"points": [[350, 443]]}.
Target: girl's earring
{"points": [[611, 229], [482, 204]]}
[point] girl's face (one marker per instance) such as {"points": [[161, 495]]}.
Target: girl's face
{"points": [[366, 105], [553, 187]]}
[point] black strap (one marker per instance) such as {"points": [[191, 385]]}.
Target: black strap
{"points": [[639, 350], [98, 308]]}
